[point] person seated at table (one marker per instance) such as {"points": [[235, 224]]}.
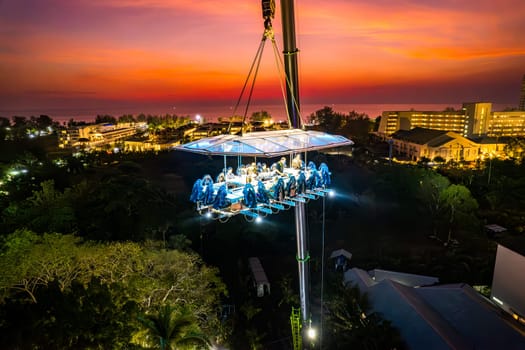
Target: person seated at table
{"points": [[280, 165], [251, 169], [251, 179], [297, 162], [220, 178], [241, 170], [229, 173], [265, 173]]}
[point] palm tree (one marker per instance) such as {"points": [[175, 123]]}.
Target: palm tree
{"points": [[174, 328]]}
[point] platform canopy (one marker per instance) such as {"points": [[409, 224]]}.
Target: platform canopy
{"points": [[266, 143]]}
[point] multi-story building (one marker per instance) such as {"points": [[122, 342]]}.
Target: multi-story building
{"points": [[477, 118], [68, 137], [450, 120], [507, 124], [96, 135], [473, 120]]}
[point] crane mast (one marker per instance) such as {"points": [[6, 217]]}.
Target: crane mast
{"points": [[290, 52]]}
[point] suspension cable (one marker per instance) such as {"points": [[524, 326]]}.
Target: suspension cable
{"points": [[282, 76], [287, 79], [253, 84], [256, 60]]}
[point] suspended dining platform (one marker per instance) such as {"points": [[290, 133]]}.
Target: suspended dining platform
{"points": [[256, 190]]}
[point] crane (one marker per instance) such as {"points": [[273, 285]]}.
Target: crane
{"points": [[291, 187]]}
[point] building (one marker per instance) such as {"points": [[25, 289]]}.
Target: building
{"points": [[260, 281], [475, 119], [97, 135], [508, 283], [417, 143], [429, 143], [431, 316], [450, 120], [507, 124], [69, 137], [341, 259]]}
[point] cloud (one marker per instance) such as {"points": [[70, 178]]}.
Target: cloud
{"points": [[203, 49]]}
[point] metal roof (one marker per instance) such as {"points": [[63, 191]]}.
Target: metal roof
{"points": [[452, 316], [266, 143]]}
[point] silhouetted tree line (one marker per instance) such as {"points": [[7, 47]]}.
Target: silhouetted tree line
{"points": [[353, 125], [19, 127]]}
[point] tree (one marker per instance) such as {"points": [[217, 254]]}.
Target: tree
{"points": [[377, 121], [260, 116], [144, 274], [515, 148], [172, 328], [20, 127], [123, 207], [439, 159], [430, 193], [41, 122], [460, 207], [29, 261], [5, 125], [100, 119], [47, 210], [126, 118], [91, 316], [326, 118]]}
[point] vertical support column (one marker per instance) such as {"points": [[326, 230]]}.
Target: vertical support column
{"points": [[290, 63], [302, 261], [292, 102]]}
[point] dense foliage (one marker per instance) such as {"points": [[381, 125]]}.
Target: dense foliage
{"points": [[53, 282]]}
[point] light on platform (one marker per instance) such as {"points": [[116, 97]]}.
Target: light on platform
{"points": [[208, 215], [258, 220], [331, 193], [311, 333]]}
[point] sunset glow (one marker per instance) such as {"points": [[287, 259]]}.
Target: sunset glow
{"points": [[63, 54]]}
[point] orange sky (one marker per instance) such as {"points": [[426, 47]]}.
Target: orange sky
{"points": [[110, 54]]}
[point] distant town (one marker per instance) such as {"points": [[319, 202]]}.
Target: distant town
{"points": [[472, 133]]}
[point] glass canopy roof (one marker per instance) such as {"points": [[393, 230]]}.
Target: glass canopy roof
{"points": [[266, 143]]}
